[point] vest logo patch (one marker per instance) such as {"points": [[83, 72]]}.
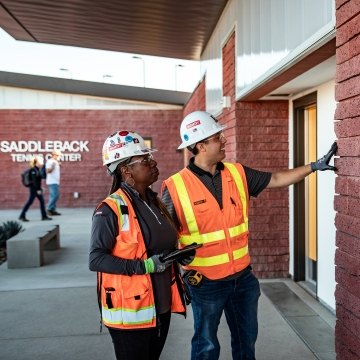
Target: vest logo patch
{"points": [[200, 202]]}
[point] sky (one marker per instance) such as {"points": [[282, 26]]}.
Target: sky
{"points": [[97, 65]]}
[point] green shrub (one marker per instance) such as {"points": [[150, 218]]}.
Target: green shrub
{"points": [[9, 229]]}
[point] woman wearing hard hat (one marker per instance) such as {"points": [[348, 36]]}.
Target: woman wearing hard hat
{"points": [[131, 231]]}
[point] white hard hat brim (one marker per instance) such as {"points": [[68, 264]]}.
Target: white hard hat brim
{"points": [[185, 144], [112, 166]]}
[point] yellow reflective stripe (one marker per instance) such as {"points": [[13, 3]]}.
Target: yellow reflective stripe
{"points": [[238, 230], [124, 218], [211, 260], [238, 254], [127, 316], [185, 203], [202, 238], [240, 185]]}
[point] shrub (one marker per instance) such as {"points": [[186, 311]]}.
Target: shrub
{"points": [[7, 230]]}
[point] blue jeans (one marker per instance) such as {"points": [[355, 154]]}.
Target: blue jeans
{"points": [[53, 196], [238, 298]]}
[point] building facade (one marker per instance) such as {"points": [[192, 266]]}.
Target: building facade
{"points": [[284, 77]]}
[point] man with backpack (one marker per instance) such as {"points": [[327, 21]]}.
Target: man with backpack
{"points": [[32, 179]]}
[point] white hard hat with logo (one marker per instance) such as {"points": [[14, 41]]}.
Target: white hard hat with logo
{"points": [[198, 126], [122, 145]]}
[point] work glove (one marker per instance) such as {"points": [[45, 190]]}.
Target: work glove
{"points": [[155, 264], [323, 163], [188, 258]]}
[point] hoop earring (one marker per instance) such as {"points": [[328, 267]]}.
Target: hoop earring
{"points": [[127, 183]]}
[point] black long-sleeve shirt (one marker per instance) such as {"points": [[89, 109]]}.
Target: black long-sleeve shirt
{"points": [[256, 180], [159, 236]]}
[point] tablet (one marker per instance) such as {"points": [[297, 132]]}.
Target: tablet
{"points": [[174, 255]]}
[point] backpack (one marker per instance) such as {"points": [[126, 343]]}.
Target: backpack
{"points": [[43, 171], [26, 178]]}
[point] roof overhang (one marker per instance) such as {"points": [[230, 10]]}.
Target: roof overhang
{"points": [[93, 89], [288, 74], [167, 28]]}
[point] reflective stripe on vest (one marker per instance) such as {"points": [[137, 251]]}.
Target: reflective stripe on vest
{"points": [[132, 315], [119, 201], [240, 186], [128, 316], [218, 235]]}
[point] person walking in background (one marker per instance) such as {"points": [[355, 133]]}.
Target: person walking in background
{"points": [[35, 190], [131, 231], [53, 181], [209, 200]]}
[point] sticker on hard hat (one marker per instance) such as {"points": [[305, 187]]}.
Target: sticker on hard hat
{"points": [[194, 123], [186, 137]]}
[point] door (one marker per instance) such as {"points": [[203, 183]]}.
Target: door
{"points": [[305, 194]]}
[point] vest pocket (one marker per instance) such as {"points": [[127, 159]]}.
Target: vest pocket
{"points": [[128, 249], [130, 304]]}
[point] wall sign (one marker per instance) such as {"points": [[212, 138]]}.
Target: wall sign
{"points": [[23, 151]]}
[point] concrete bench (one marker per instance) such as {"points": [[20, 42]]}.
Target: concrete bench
{"points": [[26, 249]]}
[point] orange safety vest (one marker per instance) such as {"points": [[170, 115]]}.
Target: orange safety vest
{"points": [[223, 232], [127, 302]]}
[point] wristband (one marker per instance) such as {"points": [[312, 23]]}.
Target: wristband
{"points": [[149, 266]]}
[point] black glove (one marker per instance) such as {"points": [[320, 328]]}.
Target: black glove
{"points": [[155, 264], [323, 163], [188, 258]]}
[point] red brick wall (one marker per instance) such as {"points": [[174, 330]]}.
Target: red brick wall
{"points": [[257, 136], [261, 133], [197, 99], [347, 188], [87, 177]]}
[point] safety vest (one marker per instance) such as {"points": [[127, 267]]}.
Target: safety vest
{"points": [[127, 302], [223, 232]]}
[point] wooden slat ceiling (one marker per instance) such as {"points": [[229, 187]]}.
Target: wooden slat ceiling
{"points": [[168, 28]]}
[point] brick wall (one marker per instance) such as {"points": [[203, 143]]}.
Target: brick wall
{"points": [[261, 133], [88, 176], [347, 188], [197, 99], [257, 136]]}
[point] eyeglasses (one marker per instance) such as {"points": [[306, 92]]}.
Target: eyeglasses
{"points": [[217, 137], [146, 160]]}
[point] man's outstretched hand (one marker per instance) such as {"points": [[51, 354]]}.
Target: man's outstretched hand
{"points": [[323, 163]]}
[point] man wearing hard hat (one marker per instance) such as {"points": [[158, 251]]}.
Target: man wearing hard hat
{"points": [[209, 200]]}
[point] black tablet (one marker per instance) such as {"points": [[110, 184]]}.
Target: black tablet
{"points": [[181, 252]]}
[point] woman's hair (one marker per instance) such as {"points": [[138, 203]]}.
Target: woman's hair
{"points": [[34, 161], [117, 179], [116, 175]]}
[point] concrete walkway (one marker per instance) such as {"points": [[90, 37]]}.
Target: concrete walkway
{"points": [[51, 312]]}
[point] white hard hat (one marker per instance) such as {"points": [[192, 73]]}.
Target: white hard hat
{"points": [[198, 126], [122, 145]]}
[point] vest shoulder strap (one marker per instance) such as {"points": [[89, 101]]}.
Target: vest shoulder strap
{"points": [[119, 205]]}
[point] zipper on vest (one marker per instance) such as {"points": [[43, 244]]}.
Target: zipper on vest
{"points": [[151, 210]]}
